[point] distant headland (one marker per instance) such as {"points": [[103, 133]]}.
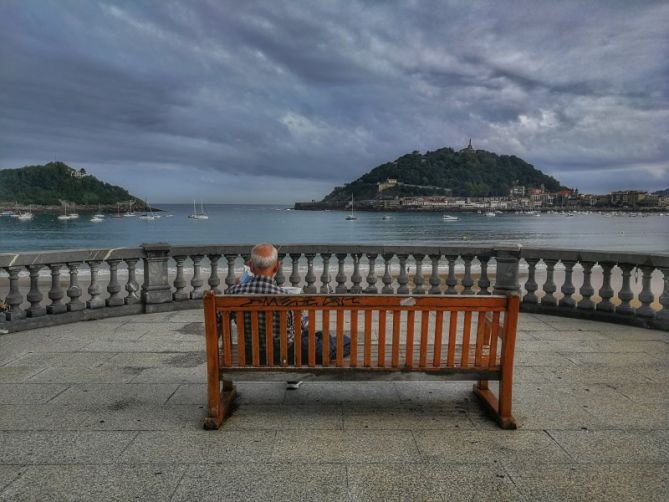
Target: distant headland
{"points": [[50, 186], [471, 180]]}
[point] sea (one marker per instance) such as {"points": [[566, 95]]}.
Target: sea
{"points": [[241, 224]]}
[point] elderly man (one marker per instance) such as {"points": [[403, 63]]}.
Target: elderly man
{"points": [[264, 265]]}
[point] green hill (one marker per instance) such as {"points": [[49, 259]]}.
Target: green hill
{"points": [[49, 184], [662, 193], [468, 172]]}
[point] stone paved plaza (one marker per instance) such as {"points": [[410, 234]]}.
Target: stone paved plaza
{"points": [[112, 409]]}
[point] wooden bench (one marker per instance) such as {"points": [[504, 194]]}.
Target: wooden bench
{"points": [[392, 337]]}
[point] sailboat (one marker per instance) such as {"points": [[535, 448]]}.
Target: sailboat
{"points": [[351, 216], [75, 215], [448, 217], [64, 216], [195, 215], [99, 213], [150, 215], [27, 215], [118, 211], [130, 213]]}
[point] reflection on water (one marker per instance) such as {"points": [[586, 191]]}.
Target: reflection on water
{"points": [[250, 224]]}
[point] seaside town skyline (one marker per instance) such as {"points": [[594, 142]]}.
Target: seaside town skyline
{"points": [[275, 105]]}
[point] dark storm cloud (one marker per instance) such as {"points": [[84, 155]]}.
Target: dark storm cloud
{"points": [[210, 95]]}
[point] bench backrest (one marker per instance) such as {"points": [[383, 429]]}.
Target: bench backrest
{"points": [[389, 333]]}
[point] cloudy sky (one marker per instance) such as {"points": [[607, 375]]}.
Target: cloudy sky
{"points": [[279, 101]]}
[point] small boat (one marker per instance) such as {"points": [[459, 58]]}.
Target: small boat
{"points": [[386, 217], [7, 213], [64, 216], [26, 215], [99, 213], [351, 216], [198, 216], [448, 217], [148, 216], [75, 215], [490, 214], [95, 219]]}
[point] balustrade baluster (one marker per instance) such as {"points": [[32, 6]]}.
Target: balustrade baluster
{"points": [[606, 291], [549, 287], [387, 279], [371, 274], [356, 278], [625, 294], [34, 296], [567, 287], [180, 293], [325, 276], [74, 290], [197, 282], [435, 280], [663, 313], [56, 292], [295, 278], [531, 284], [646, 296], [403, 278], [586, 289], [467, 281], [230, 278], [451, 281], [131, 286], [418, 279], [94, 289], [114, 287], [214, 279], [279, 277], [341, 274], [310, 278], [484, 281], [14, 298]]}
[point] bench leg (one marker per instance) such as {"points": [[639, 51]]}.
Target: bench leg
{"points": [[223, 396], [500, 410]]}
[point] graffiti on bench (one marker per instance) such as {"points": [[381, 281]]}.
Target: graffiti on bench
{"points": [[302, 301]]}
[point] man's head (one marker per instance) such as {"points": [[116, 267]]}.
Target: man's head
{"points": [[264, 260]]}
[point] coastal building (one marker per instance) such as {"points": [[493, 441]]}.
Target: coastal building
{"points": [[390, 182], [627, 197]]}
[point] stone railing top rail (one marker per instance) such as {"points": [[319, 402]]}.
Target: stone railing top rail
{"points": [[80, 255]]}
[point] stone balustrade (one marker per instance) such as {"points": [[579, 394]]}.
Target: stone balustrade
{"points": [[56, 287]]}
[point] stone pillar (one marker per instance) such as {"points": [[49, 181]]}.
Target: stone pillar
{"points": [[96, 301], [295, 278], [531, 284], [484, 281], [435, 280], [310, 278], [14, 298], [568, 288], [196, 281], [156, 288], [663, 313], [74, 291], [325, 276], [606, 291], [214, 279], [625, 294], [586, 289], [230, 277], [34, 296], [418, 279], [179, 281], [131, 286], [279, 278], [403, 278], [371, 288], [549, 299], [114, 287], [356, 278], [387, 279], [646, 296], [56, 293], [508, 260], [451, 281], [467, 281], [341, 274]]}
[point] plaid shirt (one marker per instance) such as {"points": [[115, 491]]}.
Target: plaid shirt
{"points": [[261, 285]]}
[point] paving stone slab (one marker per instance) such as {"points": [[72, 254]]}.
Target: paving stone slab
{"points": [[405, 417], [653, 393], [615, 359], [8, 474], [570, 334], [62, 447], [29, 393], [342, 446], [134, 416], [642, 482], [248, 482], [285, 417], [144, 345], [630, 415], [382, 393], [61, 360], [157, 360], [200, 447], [96, 482], [254, 393], [430, 482], [614, 446], [17, 374], [87, 394], [39, 417], [488, 446], [170, 374], [84, 375]]}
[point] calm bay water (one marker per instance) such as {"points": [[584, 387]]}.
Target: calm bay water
{"points": [[255, 223]]}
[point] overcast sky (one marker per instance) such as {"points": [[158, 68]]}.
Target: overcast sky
{"points": [[279, 101]]}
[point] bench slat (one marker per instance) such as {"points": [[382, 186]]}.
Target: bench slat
{"points": [[383, 316], [368, 338], [354, 338], [311, 354], [269, 338], [452, 333], [424, 321], [411, 320], [438, 333], [466, 334], [340, 339], [493, 339], [397, 315], [297, 322], [283, 335]]}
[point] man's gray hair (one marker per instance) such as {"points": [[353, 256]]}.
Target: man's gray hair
{"points": [[263, 261]]}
